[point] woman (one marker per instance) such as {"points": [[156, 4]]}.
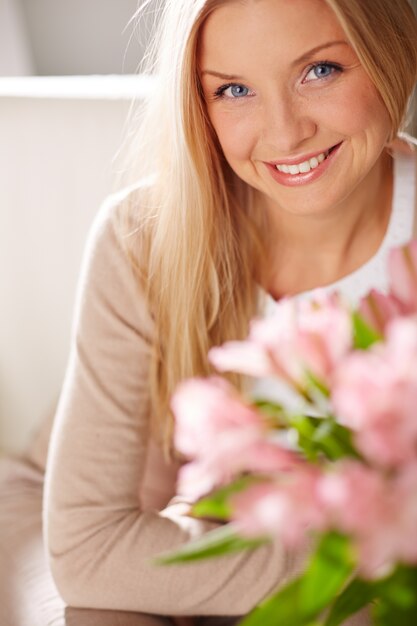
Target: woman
{"points": [[266, 169]]}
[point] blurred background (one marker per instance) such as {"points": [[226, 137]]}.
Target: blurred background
{"points": [[57, 37], [68, 82]]}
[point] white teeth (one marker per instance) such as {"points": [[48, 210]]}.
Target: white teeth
{"points": [[305, 166]]}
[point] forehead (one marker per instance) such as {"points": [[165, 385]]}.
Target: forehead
{"points": [[264, 29]]}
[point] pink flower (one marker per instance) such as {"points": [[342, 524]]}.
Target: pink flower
{"points": [[353, 495], [379, 512], [325, 336], [286, 509], [378, 310], [402, 267], [301, 337], [204, 410], [375, 394], [245, 357], [405, 489], [256, 355], [223, 435]]}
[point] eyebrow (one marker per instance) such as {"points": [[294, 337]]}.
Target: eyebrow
{"points": [[300, 59], [310, 53]]}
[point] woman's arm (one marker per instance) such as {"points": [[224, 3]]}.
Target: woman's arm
{"points": [[99, 542]]}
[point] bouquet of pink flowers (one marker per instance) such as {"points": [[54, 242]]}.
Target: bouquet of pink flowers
{"points": [[331, 469]]}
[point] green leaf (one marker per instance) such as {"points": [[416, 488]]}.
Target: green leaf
{"points": [[329, 569], [223, 540], [217, 504], [273, 411], [282, 608], [301, 601], [318, 437], [394, 599], [305, 428], [325, 439], [317, 384], [364, 336], [397, 602], [344, 436], [357, 594], [335, 440]]}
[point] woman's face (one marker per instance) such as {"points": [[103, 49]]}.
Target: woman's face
{"points": [[295, 113]]}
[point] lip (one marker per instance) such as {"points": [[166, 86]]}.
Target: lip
{"points": [[294, 180]]}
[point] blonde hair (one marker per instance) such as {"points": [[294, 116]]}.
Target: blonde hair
{"points": [[194, 239], [383, 34]]}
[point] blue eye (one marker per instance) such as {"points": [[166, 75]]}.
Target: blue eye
{"points": [[322, 70], [238, 91], [232, 91]]}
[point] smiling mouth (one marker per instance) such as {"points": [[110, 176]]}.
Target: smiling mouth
{"points": [[305, 166]]}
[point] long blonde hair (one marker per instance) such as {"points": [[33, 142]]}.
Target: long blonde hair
{"points": [[197, 245], [383, 34]]}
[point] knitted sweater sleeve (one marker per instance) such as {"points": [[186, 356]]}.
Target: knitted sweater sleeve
{"points": [[99, 542]]}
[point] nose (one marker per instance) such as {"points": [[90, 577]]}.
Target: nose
{"points": [[288, 124]]}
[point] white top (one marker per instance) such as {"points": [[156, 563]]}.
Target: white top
{"points": [[373, 274]]}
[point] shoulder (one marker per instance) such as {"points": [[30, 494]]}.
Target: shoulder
{"points": [[117, 238], [108, 277], [404, 153], [119, 214], [404, 144]]}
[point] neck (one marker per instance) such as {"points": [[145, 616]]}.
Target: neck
{"points": [[339, 241]]}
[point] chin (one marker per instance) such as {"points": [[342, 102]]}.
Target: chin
{"points": [[306, 206]]}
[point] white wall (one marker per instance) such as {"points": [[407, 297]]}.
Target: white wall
{"points": [[55, 169], [15, 54], [85, 36]]}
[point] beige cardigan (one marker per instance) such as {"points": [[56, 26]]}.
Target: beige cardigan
{"points": [[106, 482], [108, 491]]}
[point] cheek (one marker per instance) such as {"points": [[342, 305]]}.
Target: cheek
{"points": [[236, 133], [357, 108]]}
